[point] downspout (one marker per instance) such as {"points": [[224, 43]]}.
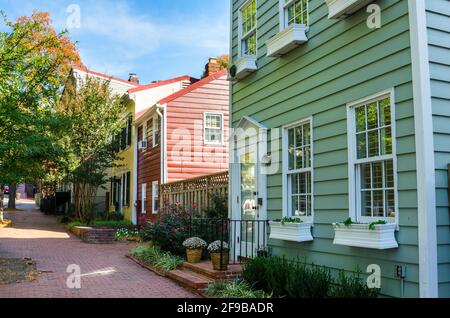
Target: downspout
{"points": [[163, 116]]}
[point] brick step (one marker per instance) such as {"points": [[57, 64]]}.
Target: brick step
{"points": [[206, 269], [190, 279]]}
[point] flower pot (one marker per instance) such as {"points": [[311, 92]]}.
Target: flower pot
{"points": [[215, 259], [194, 256]]}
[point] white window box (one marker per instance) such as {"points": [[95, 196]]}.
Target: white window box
{"points": [[245, 66], [382, 237], [341, 8], [286, 40], [295, 232]]}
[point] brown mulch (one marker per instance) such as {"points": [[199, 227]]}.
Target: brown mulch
{"points": [[14, 271]]}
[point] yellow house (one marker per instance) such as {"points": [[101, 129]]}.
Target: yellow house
{"points": [[120, 195]]}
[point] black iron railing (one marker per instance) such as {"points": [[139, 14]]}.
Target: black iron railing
{"points": [[246, 238]]}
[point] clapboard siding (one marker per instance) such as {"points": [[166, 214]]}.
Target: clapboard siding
{"points": [[438, 22], [185, 120], [343, 61]]}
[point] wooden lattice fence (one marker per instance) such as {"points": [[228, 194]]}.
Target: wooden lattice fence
{"points": [[196, 191]]}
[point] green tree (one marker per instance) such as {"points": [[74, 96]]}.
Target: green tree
{"points": [[34, 63], [95, 116]]}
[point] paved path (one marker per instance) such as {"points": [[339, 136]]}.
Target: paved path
{"points": [[106, 272]]}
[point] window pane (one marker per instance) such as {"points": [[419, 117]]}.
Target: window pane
{"points": [[360, 119], [386, 141], [303, 180], [306, 134], [291, 136], [291, 155], [295, 183], [377, 175], [295, 206], [307, 157], [302, 206], [309, 206], [299, 158], [378, 204], [385, 112], [299, 136], [389, 173], [374, 149], [390, 203], [366, 209], [362, 145], [372, 116], [366, 177]]}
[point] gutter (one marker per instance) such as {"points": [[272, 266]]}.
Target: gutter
{"points": [[163, 116]]}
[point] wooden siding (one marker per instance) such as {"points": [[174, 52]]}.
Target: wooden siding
{"points": [[438, 21], [185, 122], [149, 170], [343, 61]]}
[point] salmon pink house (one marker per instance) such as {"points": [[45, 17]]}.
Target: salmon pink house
{"points": [[180, 137]]}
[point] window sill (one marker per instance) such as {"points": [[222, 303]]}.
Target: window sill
{"points": [[360, 235], [341, 8], [294, 232], [287, 40], [245, 66]]}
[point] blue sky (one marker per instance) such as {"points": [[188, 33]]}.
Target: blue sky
{"points": [[157, 39]]}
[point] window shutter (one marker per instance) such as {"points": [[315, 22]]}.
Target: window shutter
{"points": [[130, 127], [128, 188]]}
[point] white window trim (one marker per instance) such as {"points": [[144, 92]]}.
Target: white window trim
{"points": [[354, 182], [285, 156], [283, 15], [144, 131], [204, 129], [155, 123], [241, 36], [144, 198], [154, 183]]}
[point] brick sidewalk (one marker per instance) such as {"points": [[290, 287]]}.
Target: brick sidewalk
{"points": [[106, 272]]}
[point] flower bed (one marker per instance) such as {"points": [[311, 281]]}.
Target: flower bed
{"points": [[155, 260]]}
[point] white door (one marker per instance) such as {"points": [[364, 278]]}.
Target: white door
{"points": [[248, 225]]}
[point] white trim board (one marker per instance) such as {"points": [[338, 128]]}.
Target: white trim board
{"points": [[426, 182]]}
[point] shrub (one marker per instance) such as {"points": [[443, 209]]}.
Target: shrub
{"points": [[111, 224], [234, 289], [171, 230], [151, 255], [194, 243], [352, 286], [218, 208], [125, 233], [294, 279]]}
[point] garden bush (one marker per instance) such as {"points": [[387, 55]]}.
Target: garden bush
{"points": [[152, 255], [171, 230], [351, 286], [294, 279], [234, 289]]}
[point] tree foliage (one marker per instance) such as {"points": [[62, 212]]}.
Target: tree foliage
{"points": [[34, 63]]}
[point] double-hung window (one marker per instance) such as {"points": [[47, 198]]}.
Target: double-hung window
{"points": [[213, 128], [155, 197], [155, 131], [294, 12], [372, 160], [298, 172], [248, 20]]}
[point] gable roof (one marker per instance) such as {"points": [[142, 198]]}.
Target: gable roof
{"points": [[194, 86], [161, 83], [107, 77]]}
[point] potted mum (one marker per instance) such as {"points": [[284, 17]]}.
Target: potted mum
{"points": [[194, 249], [219, 251]]}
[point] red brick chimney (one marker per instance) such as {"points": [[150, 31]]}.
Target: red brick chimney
{"points": [[212, 67], [133, 78]]}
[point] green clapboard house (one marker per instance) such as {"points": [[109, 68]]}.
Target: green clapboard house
{"points": [[341, 117]]}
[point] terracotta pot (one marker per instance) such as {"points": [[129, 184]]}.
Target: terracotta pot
{"points": [[194, 256], [215, 259]]}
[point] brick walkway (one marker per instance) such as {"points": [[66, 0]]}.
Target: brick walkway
{"points": [[106, 272]]}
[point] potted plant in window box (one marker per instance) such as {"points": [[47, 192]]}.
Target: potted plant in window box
{"points": [[220, 255], [194, 249], [376, 235], [291, 229]]}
